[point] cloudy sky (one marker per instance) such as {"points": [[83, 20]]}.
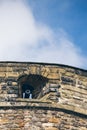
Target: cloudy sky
{"points": [[52, 31]]}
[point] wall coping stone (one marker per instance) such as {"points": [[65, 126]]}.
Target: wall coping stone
{"points": [[42, 63]]}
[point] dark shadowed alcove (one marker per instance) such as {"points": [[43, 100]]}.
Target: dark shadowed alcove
{"points": [[30, 86]]}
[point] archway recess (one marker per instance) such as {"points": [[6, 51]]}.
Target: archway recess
{"points": [[30, 86]]}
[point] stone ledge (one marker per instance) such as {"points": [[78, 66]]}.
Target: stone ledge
{"points": [[43, 105]]}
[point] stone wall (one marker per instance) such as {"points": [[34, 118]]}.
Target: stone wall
{"points": [[66, 85], [60, 102], [40, 119]]}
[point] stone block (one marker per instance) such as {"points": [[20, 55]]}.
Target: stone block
{"points": [[14, 83], [54, 120], [3, 121], [53, 76], [4, 87], [48, 124], [51, 128], [12, 74]]}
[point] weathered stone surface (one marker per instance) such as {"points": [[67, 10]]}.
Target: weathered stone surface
{"points": [[24, 119], [54, 120], [59, 92], [51, 128]]}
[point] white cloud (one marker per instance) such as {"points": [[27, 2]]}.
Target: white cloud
{"points": [[22, 38]]}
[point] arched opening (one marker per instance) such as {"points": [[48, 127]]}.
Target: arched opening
{"points": [[30, 86]]}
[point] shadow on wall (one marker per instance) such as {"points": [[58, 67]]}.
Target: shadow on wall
{"points": [[30, 86]]}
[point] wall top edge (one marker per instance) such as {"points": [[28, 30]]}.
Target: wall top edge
{"points": [[43, 63]]}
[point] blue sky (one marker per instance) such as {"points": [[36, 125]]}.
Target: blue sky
{"points": [[71, 15], [51, 31]]}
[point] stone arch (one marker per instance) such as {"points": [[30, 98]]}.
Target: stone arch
{"points": [[33, 83]]}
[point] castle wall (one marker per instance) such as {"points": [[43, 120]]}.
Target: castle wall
{"points": [[72, 81], [60, 105], [40, 119]]}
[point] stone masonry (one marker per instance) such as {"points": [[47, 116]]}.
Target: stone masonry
{"points": [[41, 96]]}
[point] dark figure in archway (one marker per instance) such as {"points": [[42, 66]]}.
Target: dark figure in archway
{"points": [[27, 91]]}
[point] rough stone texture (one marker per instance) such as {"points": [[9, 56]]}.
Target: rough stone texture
{"points": [[39, 119], [59, 91]]}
